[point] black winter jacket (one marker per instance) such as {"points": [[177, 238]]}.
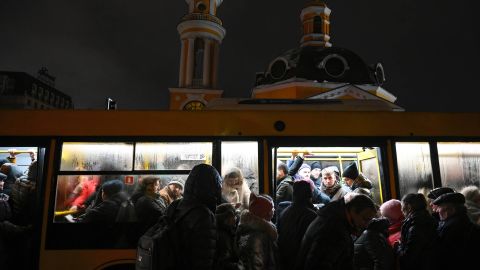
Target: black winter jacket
{"points": [[372, 251], [327, 244]]}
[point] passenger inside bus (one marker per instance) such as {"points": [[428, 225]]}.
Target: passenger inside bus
{"points": [[235, 189]]}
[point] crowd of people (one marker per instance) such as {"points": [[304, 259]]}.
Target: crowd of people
{"points": [[319, 219]]}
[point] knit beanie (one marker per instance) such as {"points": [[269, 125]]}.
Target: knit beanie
{"points": [[392, 209], [315, 165], [351, 171], [260, 206], [112, 187], [304, 165]]}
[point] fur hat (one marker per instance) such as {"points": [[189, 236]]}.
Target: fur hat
{"points": [[392, 209], [315, 165], [351, 171], [260, 206], [437, 192], [455, 198]]}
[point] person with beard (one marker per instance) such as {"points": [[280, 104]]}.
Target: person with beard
{"points": [[331, 185], [293, 222], [173, 191], [328, 243], [197, 238]]}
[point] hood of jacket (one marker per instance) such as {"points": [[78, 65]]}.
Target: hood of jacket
{"points": [[204, 185]]}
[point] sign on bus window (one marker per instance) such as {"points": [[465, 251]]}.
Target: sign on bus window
{"points": [[172, 156], [96, 156]]}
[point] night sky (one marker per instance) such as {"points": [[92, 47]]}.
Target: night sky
{"points": [[129, 50]]}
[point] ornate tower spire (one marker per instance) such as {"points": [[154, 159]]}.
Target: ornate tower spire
{"points": [[315, 18], [201, 34]]}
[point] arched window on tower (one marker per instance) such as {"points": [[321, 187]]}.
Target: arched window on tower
{"points": [[317, 25], [199, 48]]}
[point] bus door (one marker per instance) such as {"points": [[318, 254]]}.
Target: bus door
{"points": [[21, 173], [369, 166]]}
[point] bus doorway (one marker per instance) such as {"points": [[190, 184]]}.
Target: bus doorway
{"points": [[368, 161]]}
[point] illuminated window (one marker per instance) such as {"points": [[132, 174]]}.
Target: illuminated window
{"points": [[414, 166], [244, 156], [459, 164]]}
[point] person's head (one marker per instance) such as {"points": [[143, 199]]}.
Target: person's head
{"points": [[412, 203], [350, 174], [302, 191], [150, 185], [329, 177], [472, 194], [111, 188], [233, 177], [282, 171], [360, 210], [449, 204], [304, 172], [204, 184], [225, 215], [315, 170], [435, 193], [175, 189], [261, 206], [392, 210]]}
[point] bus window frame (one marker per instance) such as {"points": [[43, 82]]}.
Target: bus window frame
{"points": [[54, 229], [340, 141]]}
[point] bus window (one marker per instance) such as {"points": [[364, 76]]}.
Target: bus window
{"points": [[414, 167], [172, 156], [459, 164], [76, 192], [244, 156], [366, 158], [97, 156]]}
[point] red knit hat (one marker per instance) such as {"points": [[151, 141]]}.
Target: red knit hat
{"points": [[260, 206], [392, 209]]}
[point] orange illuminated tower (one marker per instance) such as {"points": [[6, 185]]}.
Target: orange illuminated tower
{"points": [[315, 19], [201, 33]]}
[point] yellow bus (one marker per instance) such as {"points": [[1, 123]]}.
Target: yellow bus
{"points": [[401, 152]]}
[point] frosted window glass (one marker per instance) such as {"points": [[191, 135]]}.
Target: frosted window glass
{"points": [[97, 157], [414, 167], [459, 164]]}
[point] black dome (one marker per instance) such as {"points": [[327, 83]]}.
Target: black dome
{"points": [[319, 64]]}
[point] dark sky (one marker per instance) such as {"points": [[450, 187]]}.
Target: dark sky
{"points": [[129, 50]]}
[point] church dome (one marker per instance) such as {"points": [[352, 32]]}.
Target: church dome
{"points": [[317, 63]]}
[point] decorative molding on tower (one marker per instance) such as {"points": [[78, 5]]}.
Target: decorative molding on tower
{"points": [[201, 33], [315, 19]]}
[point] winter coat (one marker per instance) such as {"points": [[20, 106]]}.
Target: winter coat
{"points": [[417, 240], [371, 249], [165, 196], [285, 190], [106, 211], [292, 225], [148, 210], [327, 243], [256, 239], [198, 236], [394, 233], [336, 192], [457, 243], [237, 193], [226, 254]]}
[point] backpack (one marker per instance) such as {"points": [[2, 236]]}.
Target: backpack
{"points": [[157, 248], [126, 212]]}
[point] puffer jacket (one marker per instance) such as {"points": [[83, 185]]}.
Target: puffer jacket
{"points": [[198, 235], [371, 249], [285, 190], [256, 239], [106, 211]]}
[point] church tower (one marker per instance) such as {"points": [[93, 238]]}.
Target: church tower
{"points": [[315, 19], [201, 33]]}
